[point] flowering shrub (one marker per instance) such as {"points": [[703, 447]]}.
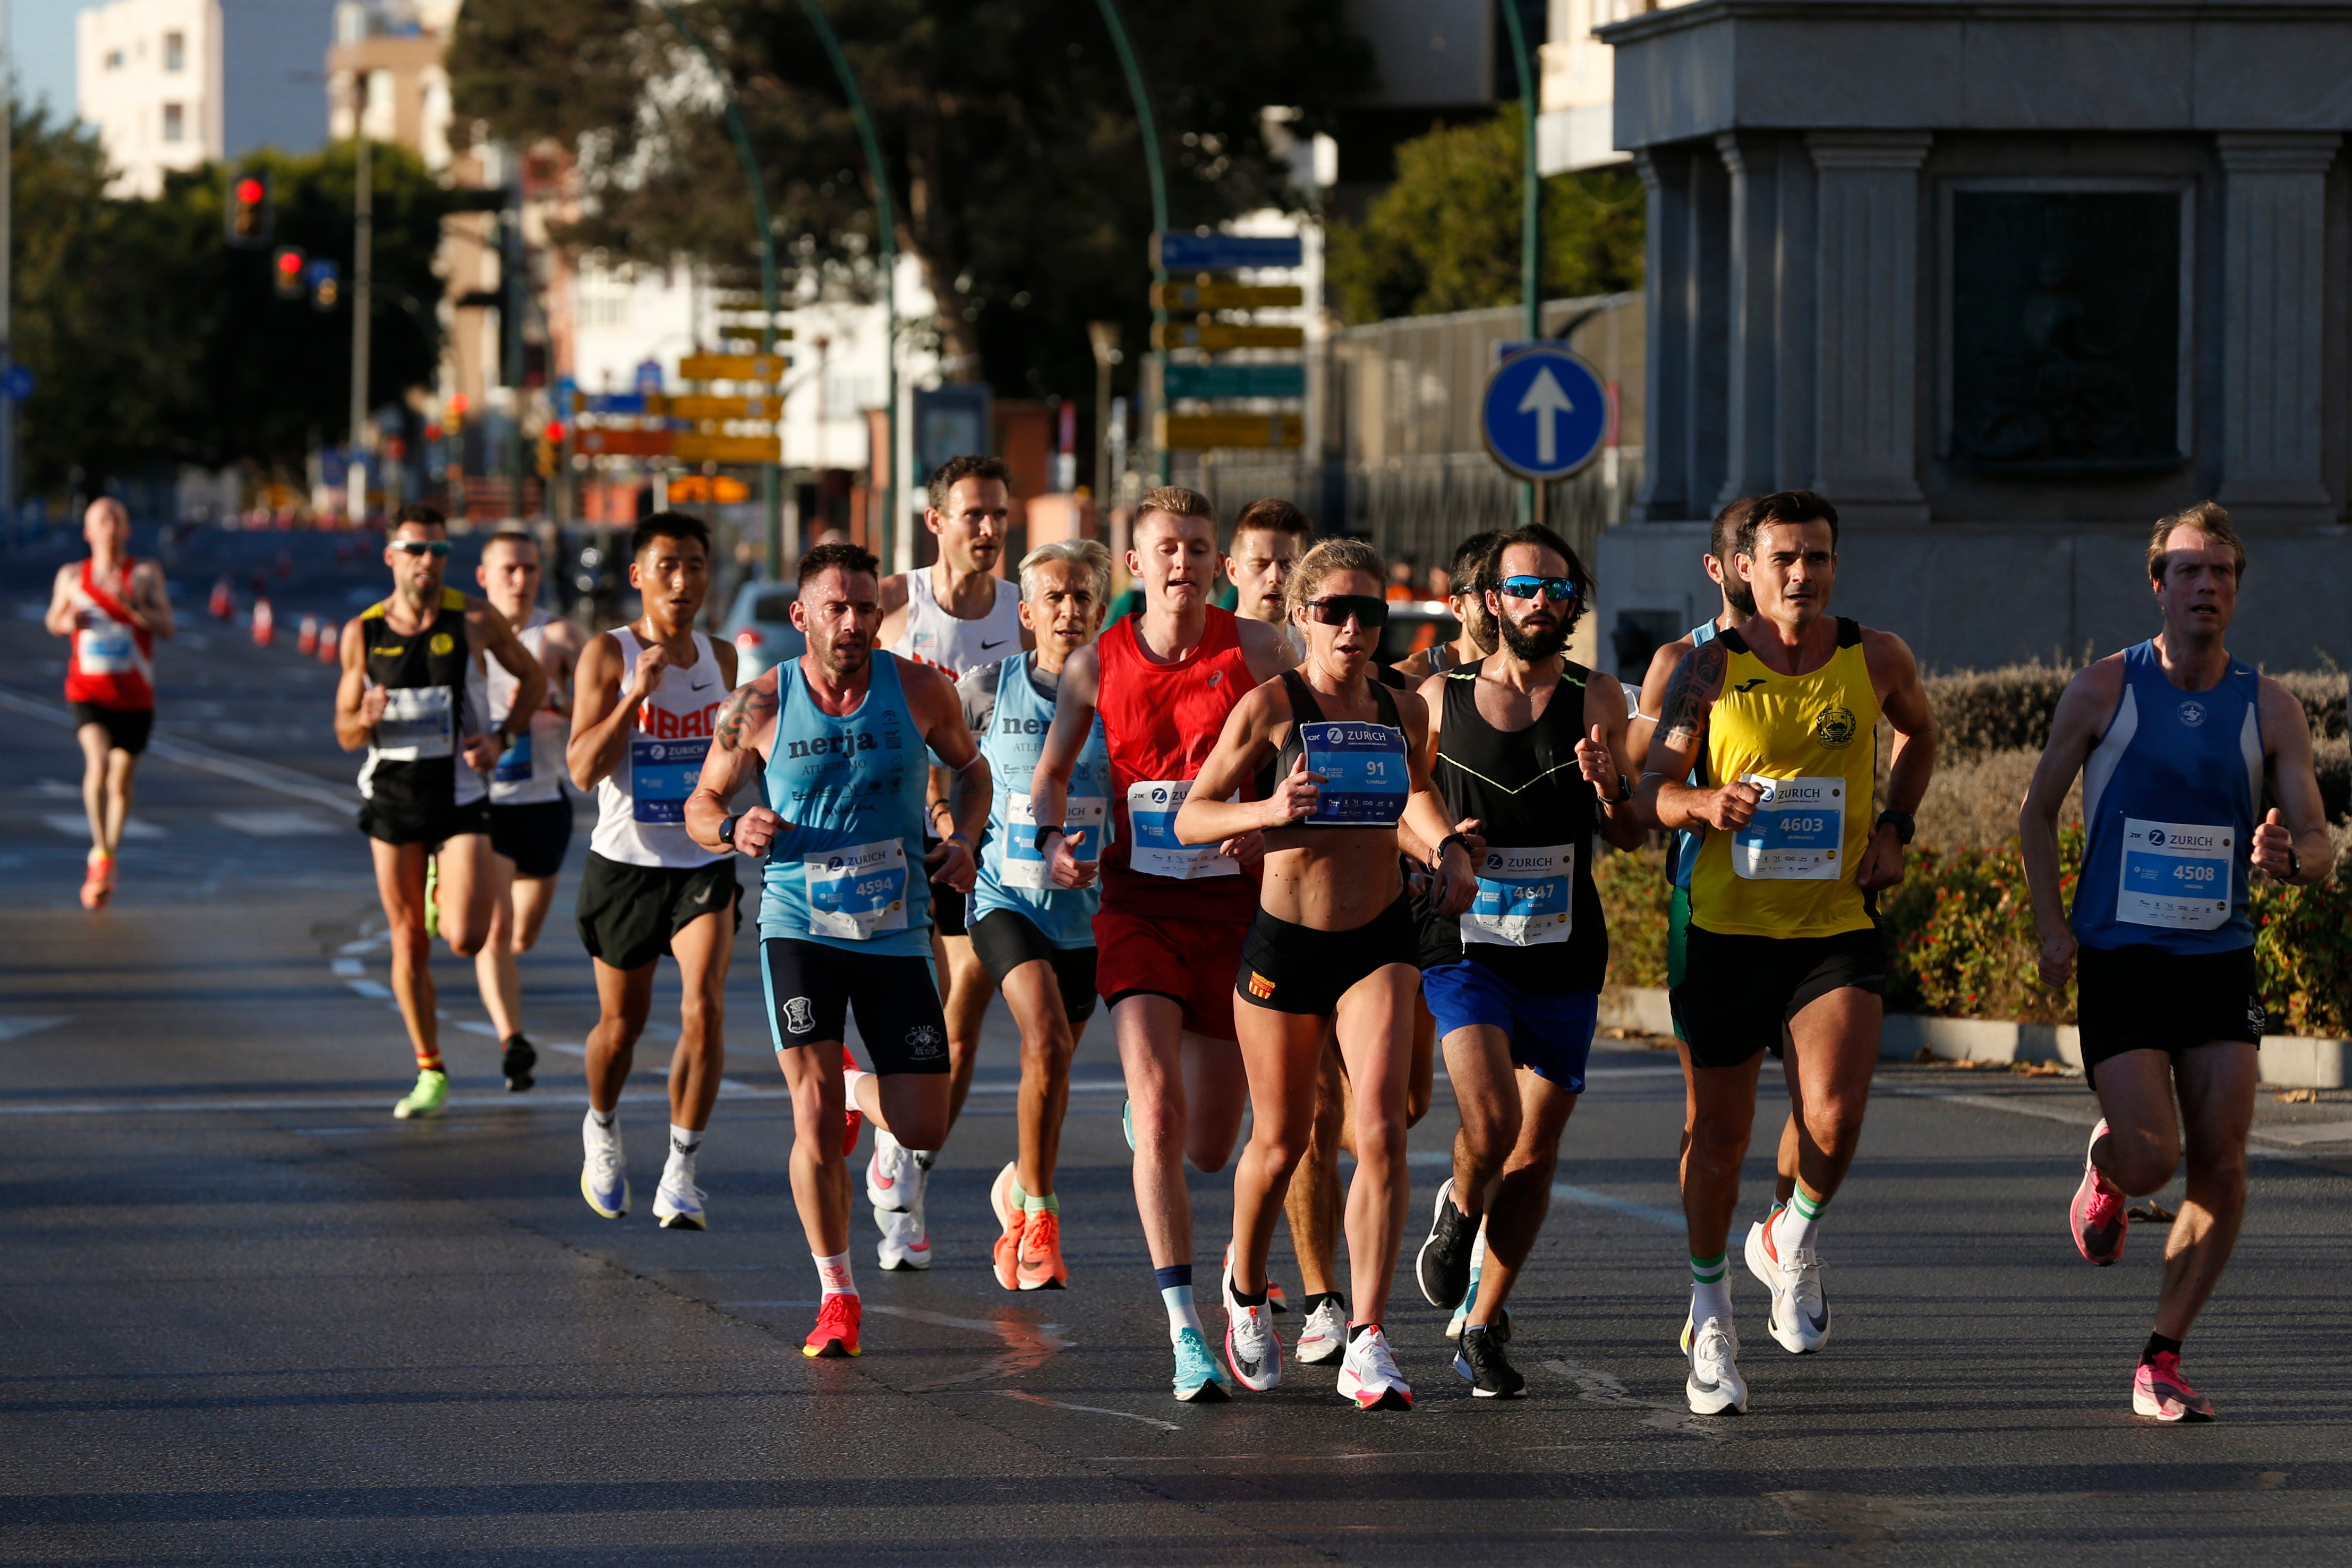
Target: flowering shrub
{"points": [[1635, 896]]}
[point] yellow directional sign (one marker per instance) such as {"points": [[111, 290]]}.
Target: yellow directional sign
{"points": [[1225, 296], [1194, 432], [731, 367], [1226, 335], [702, 406], [690, 447]]}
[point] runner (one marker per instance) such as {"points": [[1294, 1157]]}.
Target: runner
{"points": [[413, 693], [1331, 947], [837, 739], [2177, 743], [642, 713], [956, 615], [1172, 919], [1782, 708], [111, 609], [1269, 536], [1525, 743], [530, 818], [1467, 580], [1037, 939]]}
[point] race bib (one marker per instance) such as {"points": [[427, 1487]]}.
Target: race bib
{"points": [[1023, 867], [858, 890], [2175, 874], [106, 650], [416, 724], [662, 774], [1151, 808], [1797, 834], [1525, 897], [1365, 779], [514, 762]]}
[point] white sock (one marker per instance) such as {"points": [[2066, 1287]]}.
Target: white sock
{"points": [[1182, 1314], [833, 1274], [685, 1144], [1711, 1301], [1478, 1253], [604, 1119], [849, 1076], [1795, 1226]]}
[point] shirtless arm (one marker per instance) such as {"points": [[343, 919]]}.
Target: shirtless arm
{"points": [[496, 639], [151, 599], [739, 739], [358, 703], [931, 699], [1454, 874], [601, 707], [1644, 726], [1265, 647], [894, 599], [1243, 747], [1601, 757], [1049, 785], [2083, 711], [560, 656], [1900, 696], [2295, 786], [1665, 801], [60, 618]]}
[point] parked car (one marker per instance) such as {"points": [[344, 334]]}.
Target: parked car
{"points": [[1415, 625], [760, 625]]}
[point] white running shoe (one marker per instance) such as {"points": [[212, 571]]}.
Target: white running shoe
{"points": [[1252, 1347], [603, 1174], [904, 1242], [1368, 1375], [893, 1179], [678, 1202], [1713, 1386], [1324, 1338], [1800, 1311]]}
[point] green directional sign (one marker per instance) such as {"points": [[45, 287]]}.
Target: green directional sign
{"points": [[1217, 381]]}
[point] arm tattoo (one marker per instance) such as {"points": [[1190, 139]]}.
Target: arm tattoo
{"points": [[1690, 693], [745, 711]]}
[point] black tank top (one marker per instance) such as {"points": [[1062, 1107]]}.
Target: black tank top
{"points": [[1305, 710], [1525, 789], [417, 764]]}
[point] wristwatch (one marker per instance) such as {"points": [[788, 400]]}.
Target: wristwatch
{"points": [[1039, 840], [1904, 825], [1624, 790], [727, 831]]}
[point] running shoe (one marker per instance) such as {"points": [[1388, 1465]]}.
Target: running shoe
{"points": [[2096, 1216], [1713, 1386], [836, 1333], [429, 1097], [1500, 1328], [1368, 1375], [1481, 1363], [1275, 1299], [853, 1117], [1801, 1309], [905, 1244], [603, 1174], [1443, 1265], [1127, 1123], [1252, 1347], [98, 880], [1011, 1220], [678, 1202], [1042, 1268], [1199, 1379], [1323, 1338], [516, 1062], [2160, 1390], [432, 896], [893, 1180]]}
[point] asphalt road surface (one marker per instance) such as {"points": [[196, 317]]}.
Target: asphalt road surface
{"points": [[250, 1317]]}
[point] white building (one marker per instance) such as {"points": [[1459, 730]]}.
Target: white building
{"points": [[170, 84], [1577, 89]]}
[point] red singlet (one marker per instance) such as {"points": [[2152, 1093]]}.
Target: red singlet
{"points": [[112, 661]]}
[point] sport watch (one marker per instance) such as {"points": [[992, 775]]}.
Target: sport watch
{"points": [[1904, 825], [727, 831]]}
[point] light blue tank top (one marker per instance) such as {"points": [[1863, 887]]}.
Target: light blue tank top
{"points": [[2169, 798], [847, 870], [1686, 843], [1013, 875]]}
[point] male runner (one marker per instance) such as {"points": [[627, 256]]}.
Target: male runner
{"points": [[112, 608], [1037, 939], [642, 713], [413, 693], [530, 818], [1783, 708], [2177, 743], [1466, 580], [1528, 754], [1172, 919], [955, 615], [838, 738], [1269, 536]]}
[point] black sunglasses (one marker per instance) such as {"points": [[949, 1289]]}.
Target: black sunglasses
{"points": [[1368, 612], [1560, 590], [422, 546]]}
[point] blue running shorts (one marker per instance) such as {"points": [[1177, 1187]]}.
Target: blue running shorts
{"points": [[1550, 1035]]}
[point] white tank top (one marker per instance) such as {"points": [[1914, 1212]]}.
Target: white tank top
{"points": [[641, 804], [532, 770], [933, 637]]}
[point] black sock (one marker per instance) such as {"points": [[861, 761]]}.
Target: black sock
{"points": [[2158, 1345], [1354, 1330], [514, 1040], [1315, 1299], [1242, 1300]]}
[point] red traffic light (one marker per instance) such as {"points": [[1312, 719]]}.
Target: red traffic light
{"points": [[555, 432], [249, 191], [289, 262]]}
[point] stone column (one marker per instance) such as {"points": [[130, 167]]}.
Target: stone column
{"points": [[1866, 376], [1665, 495], [1751, 423], [2273, 282]]}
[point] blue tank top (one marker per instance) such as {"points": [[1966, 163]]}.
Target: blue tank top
{"points": [[1013, 875], [2169, 798], [847, 870], [1686, 843]]}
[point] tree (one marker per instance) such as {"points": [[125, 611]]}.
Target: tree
{"points": [[1445, 236], [1010, 140]]}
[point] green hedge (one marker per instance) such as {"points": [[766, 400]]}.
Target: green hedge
{"points": [[1981, 711]]}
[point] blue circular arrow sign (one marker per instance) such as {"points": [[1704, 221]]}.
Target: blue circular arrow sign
{"points": [[1544, 412]]}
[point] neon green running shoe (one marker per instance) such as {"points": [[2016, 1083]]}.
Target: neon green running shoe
{"points": [[427, 1099], [432, 897]]}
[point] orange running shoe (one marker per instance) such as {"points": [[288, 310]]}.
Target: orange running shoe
{"points": [[1012, 1220], [98, 880], [852, 1118], [1042, 1268], [836, 1333]]}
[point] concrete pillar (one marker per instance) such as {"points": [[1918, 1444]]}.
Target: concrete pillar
{"points": [[1751, 423], [1710, 335], [1665, 495], [1866, 374], [2273, 283], [1796, 457]]}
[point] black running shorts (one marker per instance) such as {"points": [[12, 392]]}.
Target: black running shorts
{"points": [[534, 834], [628, 914], [2145, 999], [402, 823], [126, 728], [1288, 968], [1006, 940], [1738, 992], [812, 989]]}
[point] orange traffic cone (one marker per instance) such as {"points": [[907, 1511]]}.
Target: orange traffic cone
{"points": [[223, 604], [331, 642], [306, 642], [264, 624]]}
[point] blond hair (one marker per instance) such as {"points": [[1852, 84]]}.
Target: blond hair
{"points": [[1177, 501], [2208, 519], [1327, 560], [1090, 553]]}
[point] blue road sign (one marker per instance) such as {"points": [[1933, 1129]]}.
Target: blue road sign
{"points": [[1226, 252], [1544, 412], [649, 376], [613, 403], [1213, 381], [16, 380]]}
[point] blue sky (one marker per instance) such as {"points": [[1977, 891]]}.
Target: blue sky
{"points": [[44, 51]]}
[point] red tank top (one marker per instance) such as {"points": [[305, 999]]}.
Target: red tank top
{"points": [[1161, 722], [111, 661]]}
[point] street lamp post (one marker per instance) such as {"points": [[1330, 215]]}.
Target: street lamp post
{"points": [[1530, 214], [362, 285], [1148, 128]]}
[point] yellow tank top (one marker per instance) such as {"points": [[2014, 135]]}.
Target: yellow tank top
{"points": [[1811, 741]]}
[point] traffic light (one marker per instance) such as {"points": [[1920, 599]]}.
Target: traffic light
{"points": [[286, 271], [326, 284], [249, 218]]}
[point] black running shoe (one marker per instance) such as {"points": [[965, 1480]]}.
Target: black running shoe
{"points": [[1443, 1266], [517, 1063], [1483, 1365]]}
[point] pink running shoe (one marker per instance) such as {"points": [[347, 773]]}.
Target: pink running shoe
{"points": [[2096, 1216], [2158, 1389]]}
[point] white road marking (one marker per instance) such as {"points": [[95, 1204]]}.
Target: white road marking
{"points": [[204, 758], [472, 1027], [17, 1028], [1089, 1409], [367, 943], [278, 824], [2300, 1132], [1599, 1387], [374, 989], [78, 826], [347, 968], [56, 789], [341, 1102]]}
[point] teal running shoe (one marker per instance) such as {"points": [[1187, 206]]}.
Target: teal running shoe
{"points": [[1199, 1379]]}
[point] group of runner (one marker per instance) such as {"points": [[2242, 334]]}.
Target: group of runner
{"points": [[1291, 876]]}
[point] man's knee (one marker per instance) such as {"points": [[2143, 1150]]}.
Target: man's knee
{"points": [[1716, 1143], [2140, 1163], [1835, 1128], [411, 948]]}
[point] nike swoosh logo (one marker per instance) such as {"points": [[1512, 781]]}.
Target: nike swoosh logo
{"points": [[700, 685], [705, 895], [997, 643]]}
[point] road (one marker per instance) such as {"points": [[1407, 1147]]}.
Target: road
{"points": [[250, 1318]]}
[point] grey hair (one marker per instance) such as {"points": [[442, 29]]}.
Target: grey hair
{"points": [[1090, 553]]}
